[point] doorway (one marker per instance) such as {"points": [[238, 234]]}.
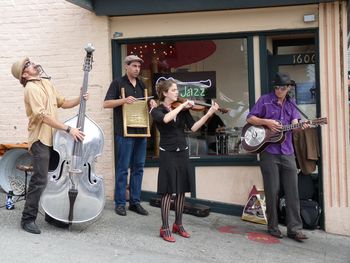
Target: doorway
{"points": [[297, 57]]}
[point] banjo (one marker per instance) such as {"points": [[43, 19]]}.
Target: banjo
{"points": [[255, 139]]}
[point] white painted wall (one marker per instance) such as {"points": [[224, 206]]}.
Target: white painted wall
{"points": [[54, 33]]}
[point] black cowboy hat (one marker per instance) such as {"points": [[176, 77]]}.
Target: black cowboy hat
{"points": [[282, 79]]}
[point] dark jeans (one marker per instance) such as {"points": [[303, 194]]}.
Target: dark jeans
{"points": [[280, 170], [38, 181], [131, 153]]}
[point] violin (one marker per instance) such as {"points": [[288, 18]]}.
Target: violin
{"points": [[198, 105]]}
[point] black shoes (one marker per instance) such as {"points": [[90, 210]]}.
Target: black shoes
{"points": [[120, 210], [50, 220], [31, 227], [297, 236], [138, 209], [275, 233]]}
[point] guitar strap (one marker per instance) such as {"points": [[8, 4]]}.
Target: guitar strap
{"points": [[302, 113]]}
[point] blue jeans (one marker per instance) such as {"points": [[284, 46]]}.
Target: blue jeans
{"points": [[131, 152]]}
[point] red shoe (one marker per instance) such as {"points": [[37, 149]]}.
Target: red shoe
{"points": [[179, 229], [166, 235]]}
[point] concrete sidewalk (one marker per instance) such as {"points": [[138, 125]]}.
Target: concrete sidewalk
{"points": [[135, 238]]}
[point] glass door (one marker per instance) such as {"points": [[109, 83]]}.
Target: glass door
{"points": [[297, 57], [304, 92]]}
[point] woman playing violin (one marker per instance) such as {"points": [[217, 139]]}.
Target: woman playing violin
{"points": [[195, 105], [173, 175], [192, 105]]}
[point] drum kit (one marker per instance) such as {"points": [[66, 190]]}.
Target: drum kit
{"points": [[228, 141], [11, 177]]}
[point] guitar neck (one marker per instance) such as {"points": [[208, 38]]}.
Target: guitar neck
{"points": [[290, 127], [315, 122]]}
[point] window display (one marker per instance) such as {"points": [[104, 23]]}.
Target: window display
{"points": [[204, 70]]}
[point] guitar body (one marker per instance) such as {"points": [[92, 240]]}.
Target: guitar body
{"points": [[256, 138]]}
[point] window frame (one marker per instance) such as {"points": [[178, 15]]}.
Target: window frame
{"points": [[222, 160]]}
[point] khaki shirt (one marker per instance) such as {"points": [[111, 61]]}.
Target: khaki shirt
{"points": [[40, 99]]}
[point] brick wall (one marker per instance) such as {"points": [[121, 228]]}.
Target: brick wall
{"points": [[54, 33]]}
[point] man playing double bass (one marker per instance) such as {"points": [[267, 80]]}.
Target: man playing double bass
{"points": [[41, 101]]}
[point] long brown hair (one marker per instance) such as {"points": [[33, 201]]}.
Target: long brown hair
{"points": [[163, 86]]}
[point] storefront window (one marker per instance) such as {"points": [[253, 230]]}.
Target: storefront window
{"points": [[205, 70]]}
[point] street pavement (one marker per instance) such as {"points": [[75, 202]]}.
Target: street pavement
{"points": [[135, 238]]}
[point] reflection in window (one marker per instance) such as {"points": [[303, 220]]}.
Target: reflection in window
{"points": [[305, 89], [204, 70]]}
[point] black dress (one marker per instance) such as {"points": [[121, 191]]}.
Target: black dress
{"points": [[174, 173]]}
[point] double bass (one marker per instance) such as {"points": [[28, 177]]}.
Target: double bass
{"points": [[74, 193]]}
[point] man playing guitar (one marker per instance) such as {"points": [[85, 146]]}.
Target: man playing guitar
{"points": [[277, 161]]}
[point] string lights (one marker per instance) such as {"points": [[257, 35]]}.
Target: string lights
{"points": [[156, 50]]}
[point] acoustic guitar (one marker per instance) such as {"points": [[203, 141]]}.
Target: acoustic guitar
{"points": [[255, 139]]}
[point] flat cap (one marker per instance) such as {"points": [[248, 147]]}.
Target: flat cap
{"points": [[132, 58]]}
